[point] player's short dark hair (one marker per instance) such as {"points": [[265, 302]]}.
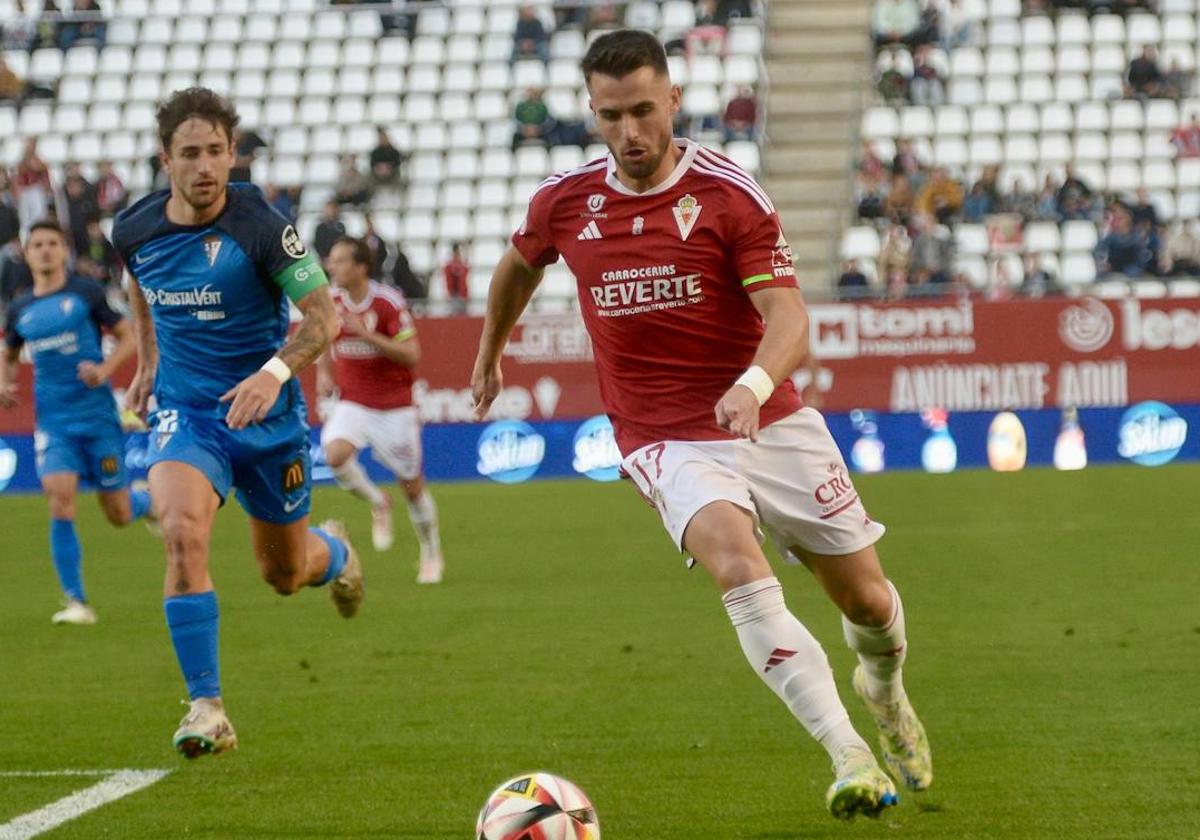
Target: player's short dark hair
{"points": [[46, 224], [194, 102], [619, 53], [360, 252]]}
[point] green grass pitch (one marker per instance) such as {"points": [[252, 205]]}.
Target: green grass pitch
{"points": [[1054, 628]]}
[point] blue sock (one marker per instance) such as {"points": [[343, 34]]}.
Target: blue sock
{"points": [[192, 620], [337, 556], [139, 501], [64, 548]]}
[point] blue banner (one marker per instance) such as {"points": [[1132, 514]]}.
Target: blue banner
{"points": [[1147, 434]]}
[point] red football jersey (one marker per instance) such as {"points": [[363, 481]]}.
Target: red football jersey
{"points": [[664, 280], [363, 374]]}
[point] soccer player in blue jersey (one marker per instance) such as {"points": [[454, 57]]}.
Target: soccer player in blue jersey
{"points": [[213, 268], [60, 323]]}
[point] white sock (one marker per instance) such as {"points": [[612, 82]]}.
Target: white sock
{"points": [[351, 476], [788, 659], [423, 513], [882, 651]]}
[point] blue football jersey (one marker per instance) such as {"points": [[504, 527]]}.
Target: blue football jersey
{"points": [[216, 293], [60, 330]]}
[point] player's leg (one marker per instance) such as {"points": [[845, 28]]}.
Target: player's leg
{"points": [[187, 505], [106, 464], [874, 627], [61, 488], [396, 442], [341, 438], [275, 487]]}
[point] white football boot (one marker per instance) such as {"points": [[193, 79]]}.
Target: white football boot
{"points": [[431, 568], [205, 730], [346, 590], [382, 535], [75, 612]]}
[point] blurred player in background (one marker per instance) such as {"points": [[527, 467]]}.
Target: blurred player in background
{"points": [[687, 288], [213, 267], [60, 322], [370, 369]]}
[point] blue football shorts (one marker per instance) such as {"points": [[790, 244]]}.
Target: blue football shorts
{"points": [[98, 460], [267, 462]]}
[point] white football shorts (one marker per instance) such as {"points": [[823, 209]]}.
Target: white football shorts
{"points": [[394, 435], [793, 481]]}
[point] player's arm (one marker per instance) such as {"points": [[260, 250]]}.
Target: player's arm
{"points": [[326, 384], [513, 284], [8, 367], [93, 375], [146, 347], [252, 398], [783, 347]]}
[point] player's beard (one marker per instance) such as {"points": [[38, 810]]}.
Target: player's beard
{"points": [[202, 199], [644, 168]]}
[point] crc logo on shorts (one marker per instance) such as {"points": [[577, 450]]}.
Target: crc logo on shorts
{"points": [[293, 476], [1151, 434], [596, 453], [109, 465], [836, 494], [510, 451], [1085, 327], [292, 244]]}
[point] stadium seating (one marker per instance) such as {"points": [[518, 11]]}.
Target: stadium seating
{"points": [[315, 81], [1034, 93]]}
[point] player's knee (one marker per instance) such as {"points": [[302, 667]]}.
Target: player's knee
{"points": [[116, 513], [336, 458], [283, 581], [867, 604], [737, 568], [413, 489], [62, 505], [183, 535]]}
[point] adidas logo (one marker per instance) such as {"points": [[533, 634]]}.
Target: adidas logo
{"points": [[590, 231], [778, 657]]}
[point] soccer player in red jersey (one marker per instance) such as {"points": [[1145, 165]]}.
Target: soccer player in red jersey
{"points": [[687, 288], [370, 367]]}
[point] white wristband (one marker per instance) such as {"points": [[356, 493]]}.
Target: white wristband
{"points": [[278, 368], [758, 381]]}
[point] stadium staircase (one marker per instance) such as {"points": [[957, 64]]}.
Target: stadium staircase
{"points": [[818, 61]]}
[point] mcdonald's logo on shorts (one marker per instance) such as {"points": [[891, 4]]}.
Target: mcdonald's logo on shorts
{"points": [[293, 476], [109, 465]]}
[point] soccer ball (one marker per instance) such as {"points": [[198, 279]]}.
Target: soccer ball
{"points": [[537, 806]]}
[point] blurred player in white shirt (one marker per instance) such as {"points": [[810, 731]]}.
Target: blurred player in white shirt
{"points": [[370, 371]]}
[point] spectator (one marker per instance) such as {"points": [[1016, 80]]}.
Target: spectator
{"points": [[533, 118], [15, 276], [853, 284], [385, 159], [977, 204], [1123, 250], [456, 271], [377, 247], [1144, 78], [530, 40], [1181, 256], [31, 183], [932, 254], [85, 24], [956, 25], [891, 83], [728, 10], [1020, 200], [1047, 201], [1144, 213], [895, 22], [282, 201], [707, 37], [898, 204], [82, 206], [1177, 82], [905, 162], [1039, 281], [741, 115], [1074, 200], [329, 228], [941, 198], [98, 259], [246, 143], [926, 86], [354, 187], [10, 220], [12, 86], [602, 15], [1186, 138], [895, 254], [46, 29], [1001, 283], [405, 279], [111, 194]]}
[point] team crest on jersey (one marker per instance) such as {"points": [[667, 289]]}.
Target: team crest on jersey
{"points": [[638, 224], [212, 247], [595, 202], [686, 211], [781, 258], [66, 306], [292, 244]]}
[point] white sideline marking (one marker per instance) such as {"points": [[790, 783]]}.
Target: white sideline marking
{"points": [[118, 783]]}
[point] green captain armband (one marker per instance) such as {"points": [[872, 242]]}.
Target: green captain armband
{"points": [[301, 277]]}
